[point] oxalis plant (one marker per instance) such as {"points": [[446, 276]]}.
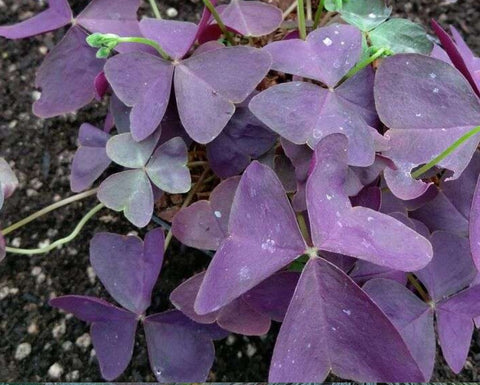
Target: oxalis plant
{"points": [[337, 161]]}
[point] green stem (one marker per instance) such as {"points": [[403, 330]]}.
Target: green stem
{"points": [[48, 209], [61, 241], [219, 21], [156, 11], [302, 28], [413, 280], [364, 63], [302, 224], [318, 14], [422, 170], [142, 40]]}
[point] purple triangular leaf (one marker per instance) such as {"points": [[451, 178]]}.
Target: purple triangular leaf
{"points": [[91, 159], [56, 16], [203, 225], [175, 37], [263, 237], [131, 192], [330, 314], [178, 348], [412, 317], [67, 76], [250, 18], [327, 54], [241, 318], [125, 151], [167, 168], [461, 56], [358, 232], [128, 267], [205, 100], [365, 271], [112, 330], [305, 113], [451, 268], [441, 108], [144, 82]]}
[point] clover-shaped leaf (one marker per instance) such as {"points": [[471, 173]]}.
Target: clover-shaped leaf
{"points": [[305, 113], [450, 271], [131, 191], [205, 100], [364, 14], [328, 314], [441, 107]]}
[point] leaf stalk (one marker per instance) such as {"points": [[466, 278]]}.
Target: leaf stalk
{"points": [[219, 21]]}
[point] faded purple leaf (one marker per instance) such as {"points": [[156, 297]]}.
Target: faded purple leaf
{"points": [[125, 151], [167, 168], [131, 192], [8, 181]]}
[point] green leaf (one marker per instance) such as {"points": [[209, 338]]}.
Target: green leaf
{"points": [[401, 36], [364, 14]]}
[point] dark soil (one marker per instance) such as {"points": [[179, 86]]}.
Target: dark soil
{"points": [[41, 152]]}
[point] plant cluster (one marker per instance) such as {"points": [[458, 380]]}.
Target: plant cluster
{"points": [[343, 202]]}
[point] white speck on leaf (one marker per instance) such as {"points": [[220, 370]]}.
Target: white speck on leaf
{"points": [[218, 214], [329, 197], [347, 312], [433, 76], [327, 41]]}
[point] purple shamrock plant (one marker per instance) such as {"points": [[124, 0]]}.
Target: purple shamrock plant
{"points": [[178, 348], [332, 171]]}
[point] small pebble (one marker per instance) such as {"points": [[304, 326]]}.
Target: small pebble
{"points": [[72, 376], [32, 328], [83, 341], [23, 350], [91, 275], [172, 12], [36, 271], [67, 345], [41, 278], [55, 371], [17, 242], [251, 350], [59, 329]]}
